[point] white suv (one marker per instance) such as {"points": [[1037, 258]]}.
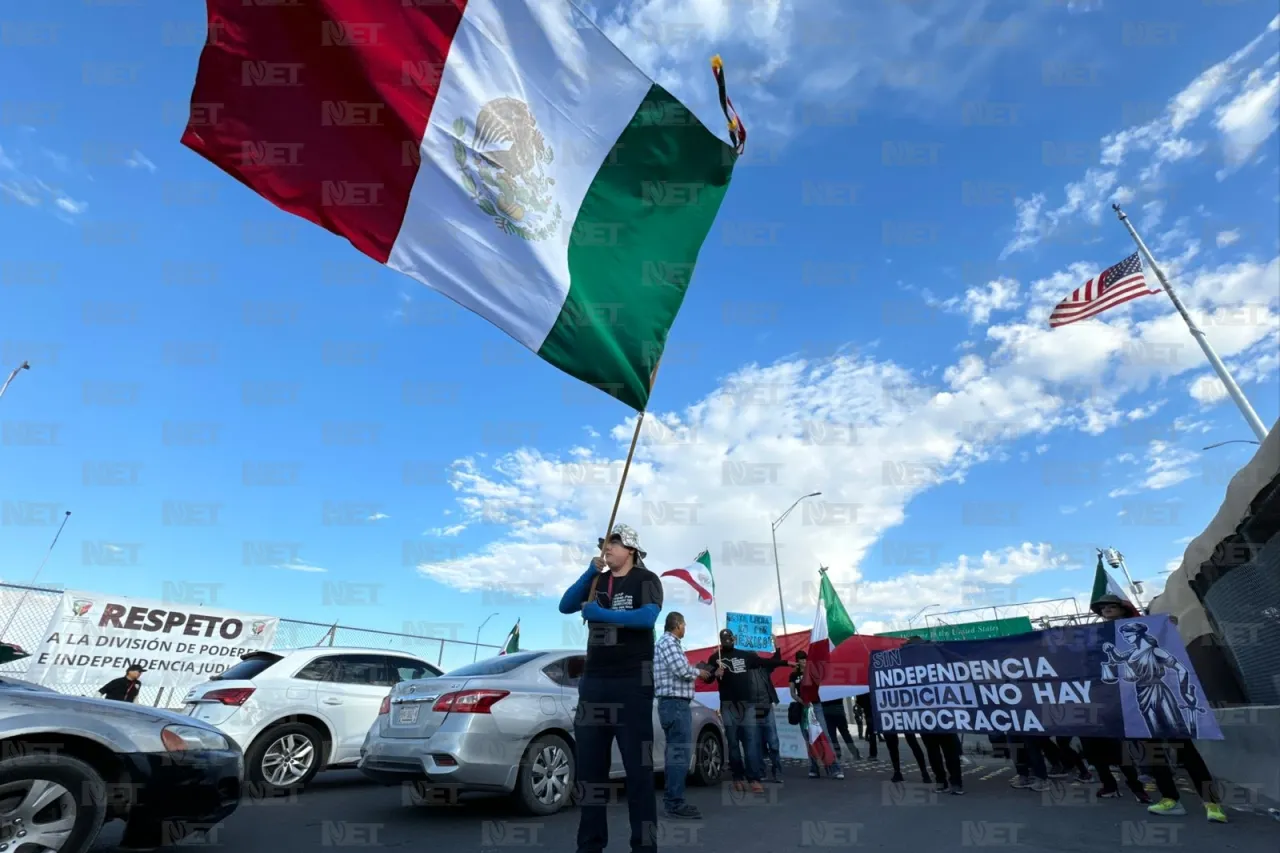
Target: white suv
{"points": [[297, 712]]}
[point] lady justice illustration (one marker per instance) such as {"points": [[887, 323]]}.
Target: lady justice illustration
{"points": [[1147, 667]]}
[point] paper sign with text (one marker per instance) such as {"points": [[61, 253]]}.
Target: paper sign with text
{"points": [[754, 633]]}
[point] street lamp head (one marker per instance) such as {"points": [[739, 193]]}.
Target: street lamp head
{"points": [[813, 494]]}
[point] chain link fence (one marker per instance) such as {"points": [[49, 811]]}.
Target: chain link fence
{"points": [[25, 612]]}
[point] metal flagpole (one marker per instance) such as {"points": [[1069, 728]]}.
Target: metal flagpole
{"points": [[1255, 423]]}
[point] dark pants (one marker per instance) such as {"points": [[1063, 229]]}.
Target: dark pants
{"points": [[944, 758], [857, 721], [1028, 756], [676, 719], [618, 709], [840, 729], [1102, 753], [743, 735], [1162, 757], [1069, 759], [770, 748], [891, 744]]}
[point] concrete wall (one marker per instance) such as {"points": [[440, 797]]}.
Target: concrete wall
{"points": [[1249, 754]]}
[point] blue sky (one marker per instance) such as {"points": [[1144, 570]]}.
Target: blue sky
{"points": [[234, 400]]}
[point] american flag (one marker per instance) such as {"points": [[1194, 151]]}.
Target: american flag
{"points": [[1113, 286]]}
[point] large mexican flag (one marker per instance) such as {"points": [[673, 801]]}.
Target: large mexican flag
{"points": [[502, 152]]}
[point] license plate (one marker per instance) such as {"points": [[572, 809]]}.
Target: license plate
{"points": [[407, 714]]}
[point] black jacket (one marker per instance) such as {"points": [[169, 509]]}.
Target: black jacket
{"points": [[120, 689]]}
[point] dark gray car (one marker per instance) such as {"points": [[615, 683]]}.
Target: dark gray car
{"points": [[70, 763]]}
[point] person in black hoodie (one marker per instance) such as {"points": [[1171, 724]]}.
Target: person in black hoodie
{"points": [[732, 668], [126, 687]]}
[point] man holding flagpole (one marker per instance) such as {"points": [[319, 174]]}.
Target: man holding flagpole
{"points": [[615, 695]]}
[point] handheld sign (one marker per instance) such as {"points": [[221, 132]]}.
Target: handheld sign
{"points": [[754, 633]]}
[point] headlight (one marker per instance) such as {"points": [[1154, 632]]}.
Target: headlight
{"points": [[186, 738]]}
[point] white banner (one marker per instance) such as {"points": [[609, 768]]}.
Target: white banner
{"points": [[93, 637]]}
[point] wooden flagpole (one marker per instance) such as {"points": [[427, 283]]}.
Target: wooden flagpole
{"points": [[622, 484]]}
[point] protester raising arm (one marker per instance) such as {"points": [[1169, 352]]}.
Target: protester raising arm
{"points": [[571, 601]]}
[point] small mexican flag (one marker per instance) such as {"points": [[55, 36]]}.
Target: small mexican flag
{"points": [[831, 627], [698, 575], [1104, 584], [512, 643], [504, 153]]}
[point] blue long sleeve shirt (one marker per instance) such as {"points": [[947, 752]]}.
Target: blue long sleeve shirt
{"points": [[571, 601], [621, 619], [645, 616]]}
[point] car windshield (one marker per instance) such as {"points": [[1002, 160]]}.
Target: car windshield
{"points": [[248, 668], [494, 666]]}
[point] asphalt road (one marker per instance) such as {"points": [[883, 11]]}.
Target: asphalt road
{"points": [[342, 810]]}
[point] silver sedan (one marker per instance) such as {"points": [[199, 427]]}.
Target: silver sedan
{"points": [[505, 725]]}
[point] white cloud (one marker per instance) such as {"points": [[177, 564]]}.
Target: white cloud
{"points": [[1258, 365], [981, 302], [301, 566], [451, 530], [786, 57], [1243, 124], [378, 516], [70, 205], [138, 160], [1227, 238], [1167, 465], [27, 188], [1248, 120], [19, 195]]}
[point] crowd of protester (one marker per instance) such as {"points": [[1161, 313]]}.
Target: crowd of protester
{"points": [[748, 700], [626, 670]]}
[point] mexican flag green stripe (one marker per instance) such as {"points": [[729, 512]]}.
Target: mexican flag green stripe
{"points": [[633, 248]]}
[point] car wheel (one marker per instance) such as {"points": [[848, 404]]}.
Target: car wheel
{"points": [[284, 758], [547, 774], [50, 802], [708, 758]]}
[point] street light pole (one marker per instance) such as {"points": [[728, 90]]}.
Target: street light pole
{"points": [[476, 650], [911, 623], [777, 569], [5, 387], [36, 577]]}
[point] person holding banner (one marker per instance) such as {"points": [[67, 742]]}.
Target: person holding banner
{"points": [[1103, 753], [891, 743], [615, 695], [732, 667]]}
